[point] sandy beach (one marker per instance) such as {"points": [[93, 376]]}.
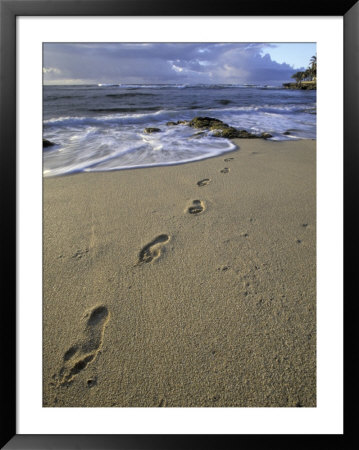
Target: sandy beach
{"points": [[183, 286]]}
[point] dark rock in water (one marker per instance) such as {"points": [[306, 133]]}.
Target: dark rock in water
{"points": [[179, 122], [220, 128], [206, 122], [47, 143], [197, 135], [152, 130], [230, 133], [287, 133], [224, 101], [223, 130], [266, 135], [244, 134]]}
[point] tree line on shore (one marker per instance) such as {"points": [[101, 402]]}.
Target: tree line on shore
{"points": [[310, 74]]}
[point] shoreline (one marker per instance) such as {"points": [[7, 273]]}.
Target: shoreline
{"points": [[162, 292], [235, 141]]}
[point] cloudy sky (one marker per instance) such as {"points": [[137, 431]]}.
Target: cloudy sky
{"points": [[87, 63]]}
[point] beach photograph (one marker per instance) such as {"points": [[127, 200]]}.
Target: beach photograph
{"points": [[179, 225]]}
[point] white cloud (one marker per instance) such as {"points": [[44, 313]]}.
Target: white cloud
{"points": [[176, 68]]}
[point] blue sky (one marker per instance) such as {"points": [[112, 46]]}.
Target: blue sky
{"points": [[187, 63], [293, 54]]}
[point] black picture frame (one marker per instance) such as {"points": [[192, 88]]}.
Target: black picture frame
{"points": [[9, 10]]}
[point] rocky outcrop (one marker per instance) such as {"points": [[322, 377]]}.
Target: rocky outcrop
{"points": [[218, 128], [265, 135], [304, 85], [179, 122], [233, 133], [221, 129], [47, 143], [208, 123], [152, 130]]}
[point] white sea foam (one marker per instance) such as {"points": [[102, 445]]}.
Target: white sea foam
{"points": [[122, 118], [98, 149]]}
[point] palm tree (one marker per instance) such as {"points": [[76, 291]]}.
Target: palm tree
{"points": [[313, 66], [298, 76], [308, 74]]}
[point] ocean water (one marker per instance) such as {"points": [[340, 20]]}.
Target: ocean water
{"points": [[101, 127]]}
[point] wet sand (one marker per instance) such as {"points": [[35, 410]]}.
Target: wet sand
{"points": [[183, 286]]}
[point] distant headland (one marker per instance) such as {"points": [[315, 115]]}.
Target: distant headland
{"points": [[306, 80]]}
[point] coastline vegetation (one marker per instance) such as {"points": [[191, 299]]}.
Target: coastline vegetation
{"points": [[306, 79]]}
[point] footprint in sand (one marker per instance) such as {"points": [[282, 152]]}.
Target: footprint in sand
{"points": [[77, 357], [197, 207], [228, 159], [152, 251], [80, 253], [225, 170], [203, 182]]}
